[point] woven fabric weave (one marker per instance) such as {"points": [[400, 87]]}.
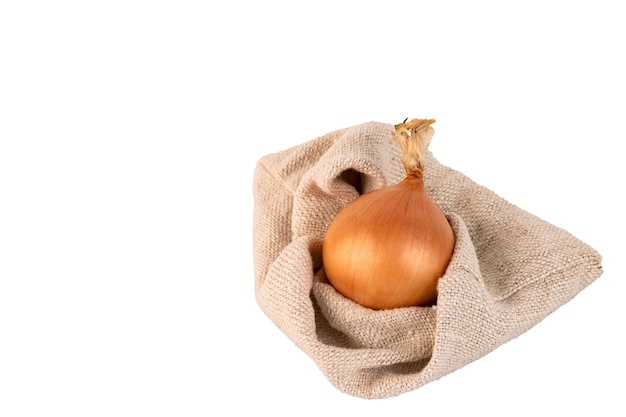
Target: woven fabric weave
{"points": [[509, 269]]}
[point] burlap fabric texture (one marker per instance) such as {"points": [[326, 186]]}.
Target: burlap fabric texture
{"points": [[509, 269]]}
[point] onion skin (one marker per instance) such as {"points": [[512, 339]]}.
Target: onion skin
{"points": [[389, 247]]}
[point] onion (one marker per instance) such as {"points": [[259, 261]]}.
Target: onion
{"points": [[389, 247]]}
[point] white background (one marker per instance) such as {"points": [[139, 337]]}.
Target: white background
{"points": [[129, 132]]}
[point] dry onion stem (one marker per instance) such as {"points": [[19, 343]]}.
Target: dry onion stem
{"points": [[413, 138], [389, 247]]}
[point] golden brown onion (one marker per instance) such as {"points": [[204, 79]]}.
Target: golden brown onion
{"points": [[389, 247]]}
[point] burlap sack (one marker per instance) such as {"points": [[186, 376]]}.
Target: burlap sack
{"points": [[509, 269]]}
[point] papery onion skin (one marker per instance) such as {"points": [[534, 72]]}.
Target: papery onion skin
{"points": [[389, 247]]}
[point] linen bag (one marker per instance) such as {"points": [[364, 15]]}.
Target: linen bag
{"points": [[509, 269]]}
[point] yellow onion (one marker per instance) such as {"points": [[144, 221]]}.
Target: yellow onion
{"points": [[389, 247]]}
